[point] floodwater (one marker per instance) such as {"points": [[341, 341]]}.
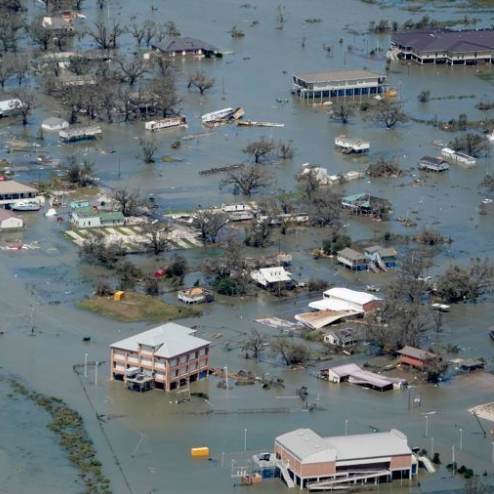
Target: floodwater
{"points": [[150, 434]]}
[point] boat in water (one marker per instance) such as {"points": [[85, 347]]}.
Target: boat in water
{"points": [[441, 307], [51, 212], [26, 206]]}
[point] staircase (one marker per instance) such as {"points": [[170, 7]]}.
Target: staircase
{"points": [[285, 473], [373, 267], [381, 263]]}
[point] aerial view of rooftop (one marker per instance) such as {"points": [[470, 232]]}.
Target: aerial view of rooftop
{"points": [[246, 244]]}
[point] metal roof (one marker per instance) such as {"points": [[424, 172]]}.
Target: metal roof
{"points": [[184, 43], [112, 216], [342, 75], [447, 40], [10, 104], [410, 351], [309, 447], [14, 187], [351, 295], [351, 254], [276, 274], [169, 340]]}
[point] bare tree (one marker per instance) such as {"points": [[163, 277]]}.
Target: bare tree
{"points": [[166, 98], [248, 179], [286, 150], [383, 167], [6, 71], [254, 344], [150, 31], [259, 233], [133, 69], [200, 80], [487, 182], [127, 199], [79, 64], [280, 16], [156, 236], [39, 35], [149, 148], [27, 103], [260, 149], [472, 144], [390, 113], [171, 30], [325, 208], [309, 183], [61, 39], [209, 222], [137, 32], [341, 113], [21, 69], [106, 37], [291, 353], [10, 27]]}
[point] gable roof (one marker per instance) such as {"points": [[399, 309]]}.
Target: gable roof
{"points": [[14, 187], [5, 214], [169, 340], [276, 274], [410, 351], [351, 254]]}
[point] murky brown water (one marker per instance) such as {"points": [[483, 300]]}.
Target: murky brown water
{"points": [[254, 77]]}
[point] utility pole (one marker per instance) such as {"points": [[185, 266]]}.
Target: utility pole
{"points": [[32, 313], [461, 439], [245, 439], [432, 446], [346, 427], [426, 425], [85, 365], [96, 373]]}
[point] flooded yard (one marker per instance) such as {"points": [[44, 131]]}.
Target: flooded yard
{"points": [[144, 440]]}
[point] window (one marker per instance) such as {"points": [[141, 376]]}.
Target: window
{"points": [[174, 362], [183, 359]]}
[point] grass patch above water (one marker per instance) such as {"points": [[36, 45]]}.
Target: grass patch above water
{"points": [[136, 307], [69, 427]]}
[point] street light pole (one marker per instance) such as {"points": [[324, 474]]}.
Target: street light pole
{"points": [[432, 446], [427, 426], [346, 427], [461, 439], [85, 365]]}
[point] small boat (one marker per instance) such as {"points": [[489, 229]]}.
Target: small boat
{"points": [[441, 307], [51, 212], [373, 288], [486, 201], [490, 136], [26, 206]]}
